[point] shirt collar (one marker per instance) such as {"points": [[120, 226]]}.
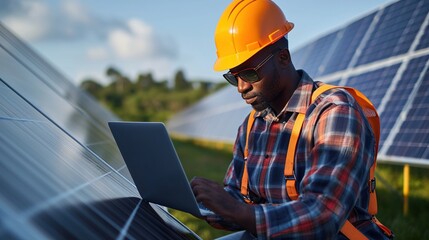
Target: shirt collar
{"points": [[301, 97], [298, 102]]}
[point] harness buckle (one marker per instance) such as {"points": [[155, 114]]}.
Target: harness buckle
{"points": [[290, 177], [372, 184]]}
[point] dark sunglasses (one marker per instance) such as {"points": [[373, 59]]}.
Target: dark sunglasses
{"points": [[249, 75]]}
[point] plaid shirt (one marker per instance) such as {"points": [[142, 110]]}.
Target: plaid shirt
{"points": [[333, 157]]}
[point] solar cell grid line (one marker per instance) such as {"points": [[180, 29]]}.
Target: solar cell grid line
{"points": [[404, 84], [394, 33], [331, 48], [19, 100], [125, 228], [423, 33], [56, 108], [52, 201], [362, 45], [413, 132], [81, 214], [320, 50], [11, 60], [11, 44], [374, 83], [41, 198], [54, 77], [407, 107], [353, 35], [146, 226], [60, 124], [11, 177], [73, 222], [415, 25], [81, 102], [104, 218], [11, 228], [424, 42], [21, 111], [60, 226], [386, 119], [395, 80], [29, 176]]}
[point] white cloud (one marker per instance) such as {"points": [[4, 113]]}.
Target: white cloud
{"points": [[31, 20], [36, 20], [137, 41]]}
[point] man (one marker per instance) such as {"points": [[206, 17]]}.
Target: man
{"points": [[334, 152]]}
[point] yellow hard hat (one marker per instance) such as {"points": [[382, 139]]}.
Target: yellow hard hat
{"points": [[245, 27]]}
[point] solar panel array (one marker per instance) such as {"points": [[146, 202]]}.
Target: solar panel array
{"points": [[62, 176], [384, 54]]}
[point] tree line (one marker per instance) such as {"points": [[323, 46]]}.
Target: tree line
{"points": [[147, 99]]}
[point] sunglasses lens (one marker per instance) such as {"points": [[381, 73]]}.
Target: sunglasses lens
{"points": [[249, 75], [231, 79]]}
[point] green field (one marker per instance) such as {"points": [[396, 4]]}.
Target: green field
{"points": [[212, 163]]}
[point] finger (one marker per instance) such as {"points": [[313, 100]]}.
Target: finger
{"points": [[197, 180]]}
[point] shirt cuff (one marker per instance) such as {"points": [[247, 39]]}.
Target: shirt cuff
{"points": [[261, 222]]}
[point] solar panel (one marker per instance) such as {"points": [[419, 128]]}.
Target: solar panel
{"points": [[395, 31], [351, 37], [400, 95], [62, 175], [384, 54], [412, 139]]}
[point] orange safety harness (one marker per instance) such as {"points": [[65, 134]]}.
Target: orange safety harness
{"points": [[370, 112]]}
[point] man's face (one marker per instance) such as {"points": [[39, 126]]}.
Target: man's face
{"points": [[267, 92]]}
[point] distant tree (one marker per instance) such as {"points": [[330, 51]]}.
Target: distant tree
{"points": [[113, 72], [120, 83], [162, 85], [148, 99], [180, 82], [145, 81], [92, 87]]}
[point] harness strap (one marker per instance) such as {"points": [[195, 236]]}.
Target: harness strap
{"points": [[351, 232], [290, 157], [245, 178], [385, 229]]}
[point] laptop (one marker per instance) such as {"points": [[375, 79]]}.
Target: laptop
{"points": [[155, 166]]}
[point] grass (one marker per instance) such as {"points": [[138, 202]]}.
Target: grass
{"points": [[211, 163]]}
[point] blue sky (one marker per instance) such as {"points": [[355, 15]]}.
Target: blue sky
{"points": [[82, 38]]}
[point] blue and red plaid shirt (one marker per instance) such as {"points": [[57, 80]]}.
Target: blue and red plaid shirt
{"points": [[334, 154]]}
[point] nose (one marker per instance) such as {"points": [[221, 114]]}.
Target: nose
{"points": [[243, 86]]}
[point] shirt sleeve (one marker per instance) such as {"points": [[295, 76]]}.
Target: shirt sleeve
{"points": [[336, 169]]}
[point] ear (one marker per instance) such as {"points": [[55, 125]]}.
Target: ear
{"points": [[284, 57]]}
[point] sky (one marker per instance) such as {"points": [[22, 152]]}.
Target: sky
{"points": [[82, 38]]}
